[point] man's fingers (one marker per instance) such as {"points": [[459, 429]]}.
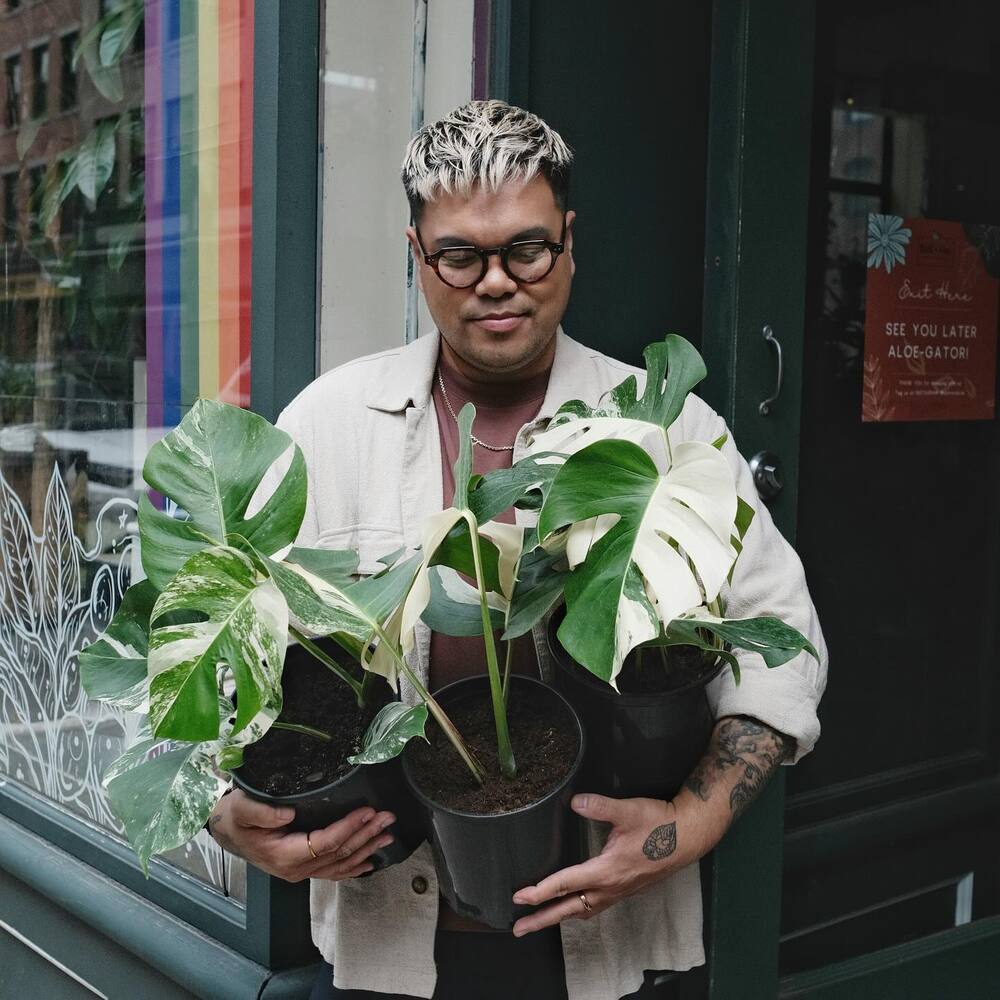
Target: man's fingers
{"points": [[601, 808], [561, 883], [566, 909], [248, 812], [358, 860], [330, 839], [324, 844]]}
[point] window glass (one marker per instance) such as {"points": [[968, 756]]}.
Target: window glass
{"points": [[857, 145], [124, 295], [387, 67], [40, 81], [67, 76], [12, 81]]}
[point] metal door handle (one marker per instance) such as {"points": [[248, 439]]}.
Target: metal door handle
{"points": [[765, 407]]}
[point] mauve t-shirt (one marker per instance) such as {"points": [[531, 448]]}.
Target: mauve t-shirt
{"points": [[501, 410]]}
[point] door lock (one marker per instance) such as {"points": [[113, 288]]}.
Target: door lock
{"points": [[765, 467]]}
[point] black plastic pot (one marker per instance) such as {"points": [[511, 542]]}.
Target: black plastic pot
{"points": [[380, 786], [638, 745], [482, 861]]}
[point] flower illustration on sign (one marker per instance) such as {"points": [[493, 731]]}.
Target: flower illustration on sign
{"points": [[887, 240]]}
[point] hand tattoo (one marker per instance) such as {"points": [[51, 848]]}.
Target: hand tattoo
{"points": [[661, 843], [746, 744]]}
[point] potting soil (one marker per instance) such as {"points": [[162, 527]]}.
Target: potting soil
{"points": [[283, 762], [545, 747]]}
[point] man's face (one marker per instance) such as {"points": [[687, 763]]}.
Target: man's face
{"points": [[499, 328]]}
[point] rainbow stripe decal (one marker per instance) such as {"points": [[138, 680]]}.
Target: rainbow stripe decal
{"points": [[198, 116]]}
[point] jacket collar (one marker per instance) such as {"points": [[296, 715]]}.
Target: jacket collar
{"points": [[408, 374]]}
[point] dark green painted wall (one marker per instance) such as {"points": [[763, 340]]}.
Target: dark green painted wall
{"points": [[628, 90]]}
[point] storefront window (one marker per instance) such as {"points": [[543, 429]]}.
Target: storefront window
{"points": [[124, 295], [387, 68]]}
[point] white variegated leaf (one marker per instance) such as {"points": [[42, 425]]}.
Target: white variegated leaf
{"points": [[245, 631], [646, 546], [508, 539], [570, 436], [164, 793]]}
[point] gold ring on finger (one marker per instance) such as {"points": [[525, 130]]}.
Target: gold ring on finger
{"points": [[586, 904], [310, 846]]}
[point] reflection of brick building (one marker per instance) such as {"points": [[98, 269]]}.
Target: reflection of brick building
{"points": [[47, 106], [70, 325]]}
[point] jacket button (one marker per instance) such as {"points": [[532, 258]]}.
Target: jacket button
{"points": [[419, 885]]}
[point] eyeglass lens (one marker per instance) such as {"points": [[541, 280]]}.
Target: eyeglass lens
{"points": [[463, 266]]}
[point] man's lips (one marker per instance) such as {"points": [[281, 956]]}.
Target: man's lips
{"points": [[499, 322]]}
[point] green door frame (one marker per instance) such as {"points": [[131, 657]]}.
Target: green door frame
{"points": [[755, 276]]}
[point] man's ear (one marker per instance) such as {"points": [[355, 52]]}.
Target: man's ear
{"points": [[568, 241], [418, 256]]}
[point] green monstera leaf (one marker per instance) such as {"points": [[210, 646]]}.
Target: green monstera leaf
{"points": [[210, 466], [643, 547], [235, 619], [673, 369], [113, 669], [773, 639], [322, 602], [454, 608], [163, 792], [390, 731]]}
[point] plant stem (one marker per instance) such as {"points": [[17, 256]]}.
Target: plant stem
{"points": [[294, 727], [454, 736], [508, 766], [663, 657], [368, 683], [666, 441], [506, 670], [328, 661]]}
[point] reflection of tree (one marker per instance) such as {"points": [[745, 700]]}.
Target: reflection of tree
{"points": [[842, 318], [986, 239], [85, 297], [86, 213]]}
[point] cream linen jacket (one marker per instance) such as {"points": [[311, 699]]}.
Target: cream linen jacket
{"points": [[370, 437]]}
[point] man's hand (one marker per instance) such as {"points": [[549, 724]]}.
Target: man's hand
{"points": [[256, 831], [650, 839]]}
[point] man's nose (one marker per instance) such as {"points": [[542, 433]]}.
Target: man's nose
{"points": [[496, 282]]}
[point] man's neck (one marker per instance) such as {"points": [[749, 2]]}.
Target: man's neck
{"points": [[536, 367]]}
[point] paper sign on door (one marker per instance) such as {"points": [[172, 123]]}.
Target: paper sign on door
{"points": [[930, 320]]}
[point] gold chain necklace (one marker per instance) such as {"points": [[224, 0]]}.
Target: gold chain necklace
{"points": [[475, 440]]}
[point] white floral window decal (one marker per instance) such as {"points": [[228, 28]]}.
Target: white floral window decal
{"points": [[887, 240]]}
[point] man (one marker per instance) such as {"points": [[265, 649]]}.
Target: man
{"points": [[493, 240]]}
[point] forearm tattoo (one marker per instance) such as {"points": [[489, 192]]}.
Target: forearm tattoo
{"points": [[754, 749]]}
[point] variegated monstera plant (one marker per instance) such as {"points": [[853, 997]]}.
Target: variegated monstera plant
{"points": [[223, 594], [638, 531]]}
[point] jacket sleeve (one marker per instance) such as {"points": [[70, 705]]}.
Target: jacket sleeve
{"points": [[768, 580]]}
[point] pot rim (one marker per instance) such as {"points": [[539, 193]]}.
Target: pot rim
{"points": [[568, 665], [430, 803], [293, 797]]}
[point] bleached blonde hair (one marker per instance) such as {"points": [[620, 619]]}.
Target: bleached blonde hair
{"points": [[483, 142]]}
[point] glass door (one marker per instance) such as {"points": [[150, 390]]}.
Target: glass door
{"points": [[893, 822], [854, 199]]}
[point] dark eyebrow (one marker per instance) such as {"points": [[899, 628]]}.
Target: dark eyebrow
{"points": [[534, 233]]}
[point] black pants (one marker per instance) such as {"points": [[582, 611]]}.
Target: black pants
{"points": [[485, 966], [478, 964]]}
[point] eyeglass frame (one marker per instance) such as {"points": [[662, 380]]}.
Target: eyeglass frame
{"points": [[503, 252]]}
